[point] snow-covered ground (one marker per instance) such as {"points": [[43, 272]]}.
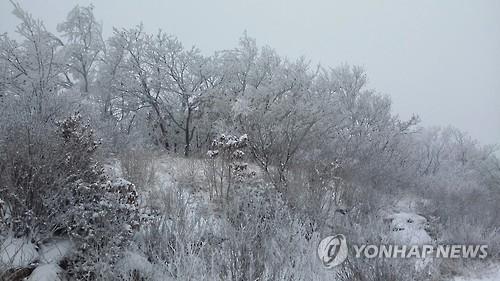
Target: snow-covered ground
{"points": [[406, 226]]}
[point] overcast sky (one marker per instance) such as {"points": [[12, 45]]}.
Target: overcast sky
{"points": [[438, 59]]}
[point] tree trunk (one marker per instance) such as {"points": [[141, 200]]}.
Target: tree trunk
{"points": [[162, 126], [187, 134], [85, 82]]}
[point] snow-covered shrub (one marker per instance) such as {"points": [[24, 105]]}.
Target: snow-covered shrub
{"points": [[172, 243], [382, 270], [224, 163], [266, 240], [248, 238], [65, 192]]}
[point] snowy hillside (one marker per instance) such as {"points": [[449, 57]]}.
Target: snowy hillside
{"points": [[127, 155]]}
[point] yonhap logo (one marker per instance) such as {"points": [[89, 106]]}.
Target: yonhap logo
{"points": [[332, 250]]}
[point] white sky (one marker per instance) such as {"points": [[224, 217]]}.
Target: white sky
{"points": [[439, 59]]}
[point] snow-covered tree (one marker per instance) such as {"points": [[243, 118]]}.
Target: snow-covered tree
{"points": [[273, 103], [33, 68], [84, 43], [134, 78], [158, 74]]}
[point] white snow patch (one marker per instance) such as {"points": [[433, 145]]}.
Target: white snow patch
{"points": [[46, 272], [135, 261], [120, 182], [113, 169], [55, 251], [17, 252], [409, 229]]}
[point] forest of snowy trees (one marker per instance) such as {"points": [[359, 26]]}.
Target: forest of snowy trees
{"points": [[150, 160]]}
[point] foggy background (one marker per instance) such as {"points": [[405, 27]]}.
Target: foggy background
{"points": [[439, 59]]}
